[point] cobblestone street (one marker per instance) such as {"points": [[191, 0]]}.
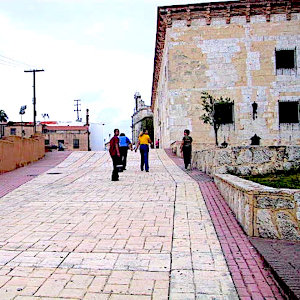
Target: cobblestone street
{"points": [[71, 233]]}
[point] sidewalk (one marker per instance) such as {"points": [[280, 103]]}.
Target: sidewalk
{"points": [[282, 258], [13, 179], [71, 233]]}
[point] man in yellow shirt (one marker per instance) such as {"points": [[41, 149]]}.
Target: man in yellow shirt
{"points": [[143, 143]]}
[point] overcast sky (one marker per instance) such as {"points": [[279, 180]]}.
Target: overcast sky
{"points": [[99, 51]]}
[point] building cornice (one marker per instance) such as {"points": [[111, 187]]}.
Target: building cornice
{"points": [[167, 14]]}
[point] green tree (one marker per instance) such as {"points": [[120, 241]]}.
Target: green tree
{"points": [[3, 116], [209, 106]]}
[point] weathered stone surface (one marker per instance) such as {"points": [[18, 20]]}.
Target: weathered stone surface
{"points": [[221, 170], [243, 170], [297, 199], [246, 160], [265, 227], [235, 60], [287, 227], [278, 202], [244, 157], [223, 157], [262, 211], [293, 153], [261, 156]]}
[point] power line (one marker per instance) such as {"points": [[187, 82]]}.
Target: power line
{"points": [[8, 64], [13, 61]]}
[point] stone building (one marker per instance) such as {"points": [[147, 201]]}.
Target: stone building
{"points": [[141, 118], [246, 50], [73, 138], [17, 128]]}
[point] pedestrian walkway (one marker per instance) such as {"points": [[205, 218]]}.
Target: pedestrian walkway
{"points": [[71, 233], [250, 272], [13, 179]]}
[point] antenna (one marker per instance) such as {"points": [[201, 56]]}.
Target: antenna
{"points": [[77, 104]]}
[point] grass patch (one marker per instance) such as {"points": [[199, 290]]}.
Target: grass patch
{"points": [[281, 179]]}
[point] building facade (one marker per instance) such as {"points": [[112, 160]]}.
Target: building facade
{"points": [[25, 129], [246, 50], [141, 118], [73, 138]]}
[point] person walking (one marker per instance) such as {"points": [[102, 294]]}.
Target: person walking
{"points": [[124, 145], [143, 143], [186, 148], [115, 154]]}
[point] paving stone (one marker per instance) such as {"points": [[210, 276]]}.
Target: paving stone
{"points": [[249, 273], [77, 235]]}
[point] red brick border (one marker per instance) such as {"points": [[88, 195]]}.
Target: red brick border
{"points": [[252, 278]]}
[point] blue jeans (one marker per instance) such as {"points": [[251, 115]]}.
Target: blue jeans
{"points": [[144, 150]]}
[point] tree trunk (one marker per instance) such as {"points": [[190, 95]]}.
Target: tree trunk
{"points": [[216, 134]]}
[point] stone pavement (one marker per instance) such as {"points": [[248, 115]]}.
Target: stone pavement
{"points": [[71, 233], [250, 272], [11, 180]]}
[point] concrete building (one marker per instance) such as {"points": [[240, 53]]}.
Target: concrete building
{"points": [[141, 118], [16, 128], [246, 50], [73, 138]]}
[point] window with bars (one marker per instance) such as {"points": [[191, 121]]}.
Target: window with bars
{"points": [[285, 61], [288, 112], [224, 113], [13, 131], [76, 144]]}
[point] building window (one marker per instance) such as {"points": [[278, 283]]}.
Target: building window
{"points": [[13, 131], [47, 142], [76, 144], [289, 112], [285, 61], [224, 113]]}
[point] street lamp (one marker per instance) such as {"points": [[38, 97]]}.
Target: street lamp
{"points": [[22, 112]]}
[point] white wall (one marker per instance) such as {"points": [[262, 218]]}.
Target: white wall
{"points": [[96, 137]]}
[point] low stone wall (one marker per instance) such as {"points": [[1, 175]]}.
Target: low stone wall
{"points": [[16, 151], [175, 147], [246, 160], [262, 211]]}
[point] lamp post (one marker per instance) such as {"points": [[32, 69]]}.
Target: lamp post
{"points": [[22, 112]]}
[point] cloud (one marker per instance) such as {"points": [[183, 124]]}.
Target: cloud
{"points": [[104, 79], [96, 29]]}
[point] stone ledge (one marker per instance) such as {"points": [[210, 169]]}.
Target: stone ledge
{"points": [[246, 160], [262, 211]]}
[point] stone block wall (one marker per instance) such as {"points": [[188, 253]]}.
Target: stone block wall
{"points": [[235, 60], [246, 160], [262, 211], [16, 151]]}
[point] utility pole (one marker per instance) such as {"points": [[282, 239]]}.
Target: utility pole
{"points": [[34, 99], [88, 126], [77, 104]]}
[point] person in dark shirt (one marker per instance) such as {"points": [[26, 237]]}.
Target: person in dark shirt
{"points": [[115, 154], [186, 148]]}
